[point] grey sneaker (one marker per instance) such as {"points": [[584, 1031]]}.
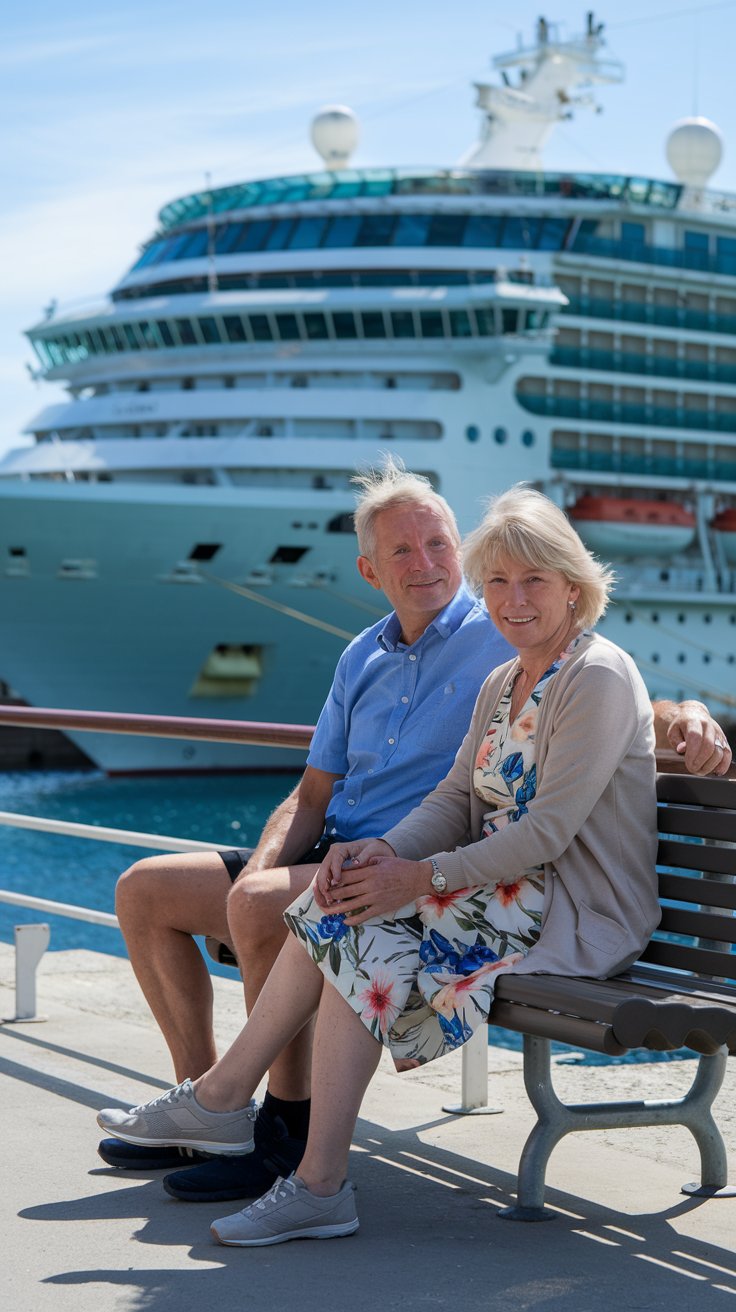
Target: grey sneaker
{"points": [[289, 1211], [177, 1118]]}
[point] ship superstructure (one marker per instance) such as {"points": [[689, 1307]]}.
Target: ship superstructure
{"points": [[179, 537]]}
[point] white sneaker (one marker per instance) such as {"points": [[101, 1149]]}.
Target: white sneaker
{"points": [[290, 1211], [177, 1119]]}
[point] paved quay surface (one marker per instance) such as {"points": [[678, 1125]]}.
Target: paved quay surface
{"points": [[76, 1235]]}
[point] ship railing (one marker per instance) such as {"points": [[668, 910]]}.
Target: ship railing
{"points": [[32, 940]]}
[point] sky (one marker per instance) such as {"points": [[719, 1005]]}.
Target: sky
{"points": [[111, 111]]}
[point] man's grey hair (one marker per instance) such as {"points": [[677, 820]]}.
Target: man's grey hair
{"points": [[389, 486]]}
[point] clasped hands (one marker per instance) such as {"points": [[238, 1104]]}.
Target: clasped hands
{"points": [[366, 878]]}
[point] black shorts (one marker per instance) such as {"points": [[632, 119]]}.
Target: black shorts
{"points": [[235, 859]]}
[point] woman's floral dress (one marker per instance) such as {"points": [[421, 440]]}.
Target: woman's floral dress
{"points": [[422, 981]]}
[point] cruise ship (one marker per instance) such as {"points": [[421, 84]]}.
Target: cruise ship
{"points": [[179, 540]]}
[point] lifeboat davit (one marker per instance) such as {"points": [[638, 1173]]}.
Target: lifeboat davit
{"points": [[725, 526], [624, 526]]}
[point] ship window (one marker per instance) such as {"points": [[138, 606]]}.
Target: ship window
{"points": [[500, 435], [472, 432], [342, 231], [520, 232], [411, 230], [633, 233], [308, 233], [527, 437], [431, 323], [209, 330], [373, 324], [485, 321], [288, 327], [344, 324], [260, 327], [402, 323], [509, 320], [226, 237], [278, 238], [552, 236], [316, 327], [376, 230], [131, 336], [460, 325], [288, 555], [681, 657], [446, 230], [204, 551], [341, 524], [482, 230], [235, 328], [695, 241], [196, 244], [185, 328], [253, 236], [167, 337], [17, 552]]}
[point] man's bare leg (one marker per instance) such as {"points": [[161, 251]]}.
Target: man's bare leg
{"points": [[257, 932], [161, 902]]}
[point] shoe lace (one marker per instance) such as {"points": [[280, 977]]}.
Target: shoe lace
{"points": [[279, 1189], [164, 1099]]}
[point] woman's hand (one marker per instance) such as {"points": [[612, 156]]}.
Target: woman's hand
{"points": [[378, 889], [362, 852]]}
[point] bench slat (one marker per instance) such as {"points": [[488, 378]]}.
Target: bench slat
{"points": [[548, 1025], [705, 892], [717, 965], [698, 822], [699, 924], [695, 791], [697, 856]]}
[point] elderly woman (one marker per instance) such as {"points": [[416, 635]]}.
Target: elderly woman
{"points": [[535, 853]]}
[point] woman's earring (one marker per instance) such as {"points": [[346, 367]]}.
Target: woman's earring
{"points": [[572, 605]]}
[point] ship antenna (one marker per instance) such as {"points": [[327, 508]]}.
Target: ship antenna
{"points": [[211, 266]]}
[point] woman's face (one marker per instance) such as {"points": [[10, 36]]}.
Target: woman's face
{"points": [[531, 607]]}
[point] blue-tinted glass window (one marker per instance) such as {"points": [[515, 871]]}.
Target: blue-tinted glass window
{"points": [[373, 324], [402, 323], [726, 254], [411, 230], [344, 324], [288, 327], [527, 437], [196, 244], [482, 230], [176, 245], [278, 237], [696, 241], [253, 236], [509, 320], [634, 233], [485, 320], [148, 333], [307, 234], [342, 231], [446, 229], [520, 232], [431, 323], [500, 435], [209, 330], [117, 338], [167, 337], [227, 237], [260, 327], [472, 432], [185, 329], [552, 234], [460, 325], [376, 230], [234, 327], [150, 255], [316, 327], [131, 336]]}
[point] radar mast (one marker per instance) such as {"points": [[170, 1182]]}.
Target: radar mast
{"points": [[554, 77]]}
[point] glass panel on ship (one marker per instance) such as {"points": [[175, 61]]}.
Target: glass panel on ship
{"points": [[574, 331]]}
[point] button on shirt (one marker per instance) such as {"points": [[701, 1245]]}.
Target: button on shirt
{"points": [[396, 715]]}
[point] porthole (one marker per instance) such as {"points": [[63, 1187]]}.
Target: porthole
{"points": [[500, 435], [655, 658], [472, 432], [707, 658], [655, 617], [681, 657], [681, 618], [527, 437], [628, 617], [707, 619]]}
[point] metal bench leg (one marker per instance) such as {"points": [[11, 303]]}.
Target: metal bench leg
{"points": [[556, 1119], [698, 1119]]}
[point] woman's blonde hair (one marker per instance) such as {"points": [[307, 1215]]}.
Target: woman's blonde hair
{"points": [[393, 485], [525, 525]]}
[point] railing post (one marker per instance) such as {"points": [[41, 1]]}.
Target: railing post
{"points": [[474, 1079], [31, 941]]}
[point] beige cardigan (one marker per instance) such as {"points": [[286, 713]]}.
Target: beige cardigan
{"points": [[592, 824]]}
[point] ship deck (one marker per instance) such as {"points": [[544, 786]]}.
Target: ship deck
{"points": [[77, 1235]]}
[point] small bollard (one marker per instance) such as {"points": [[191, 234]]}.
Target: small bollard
{"points": [[31, 941], [474, 1086]]}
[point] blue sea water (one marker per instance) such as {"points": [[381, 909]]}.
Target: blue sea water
{"points": [[229, 810]]}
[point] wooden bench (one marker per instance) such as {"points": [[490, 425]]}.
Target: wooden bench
{"points": [[680, 993]]}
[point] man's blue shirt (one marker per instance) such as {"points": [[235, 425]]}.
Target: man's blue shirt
{"points": [[396, 715]]}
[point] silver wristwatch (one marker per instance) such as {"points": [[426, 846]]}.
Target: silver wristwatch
{"points": [[438, 880]]}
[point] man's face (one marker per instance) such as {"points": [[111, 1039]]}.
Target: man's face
{"points": [[416, 563]]}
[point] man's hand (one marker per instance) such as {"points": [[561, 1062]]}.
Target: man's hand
{"points": [[379, 889], [342, 856], [689, 729]]}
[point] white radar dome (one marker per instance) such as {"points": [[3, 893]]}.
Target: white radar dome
{"points": [[335, 135], [694, 150]]}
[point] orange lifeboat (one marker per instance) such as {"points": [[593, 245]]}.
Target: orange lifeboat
{"points": [[625, 526], [725, 526]]}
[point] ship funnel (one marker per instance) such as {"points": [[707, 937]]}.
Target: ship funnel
{"points": [[334, 134], [694, 151]]}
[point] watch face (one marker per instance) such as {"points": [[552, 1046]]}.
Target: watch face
{"points": [[439, 883]]}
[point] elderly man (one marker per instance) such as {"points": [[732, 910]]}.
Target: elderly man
{"points": [[397, 711]]}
